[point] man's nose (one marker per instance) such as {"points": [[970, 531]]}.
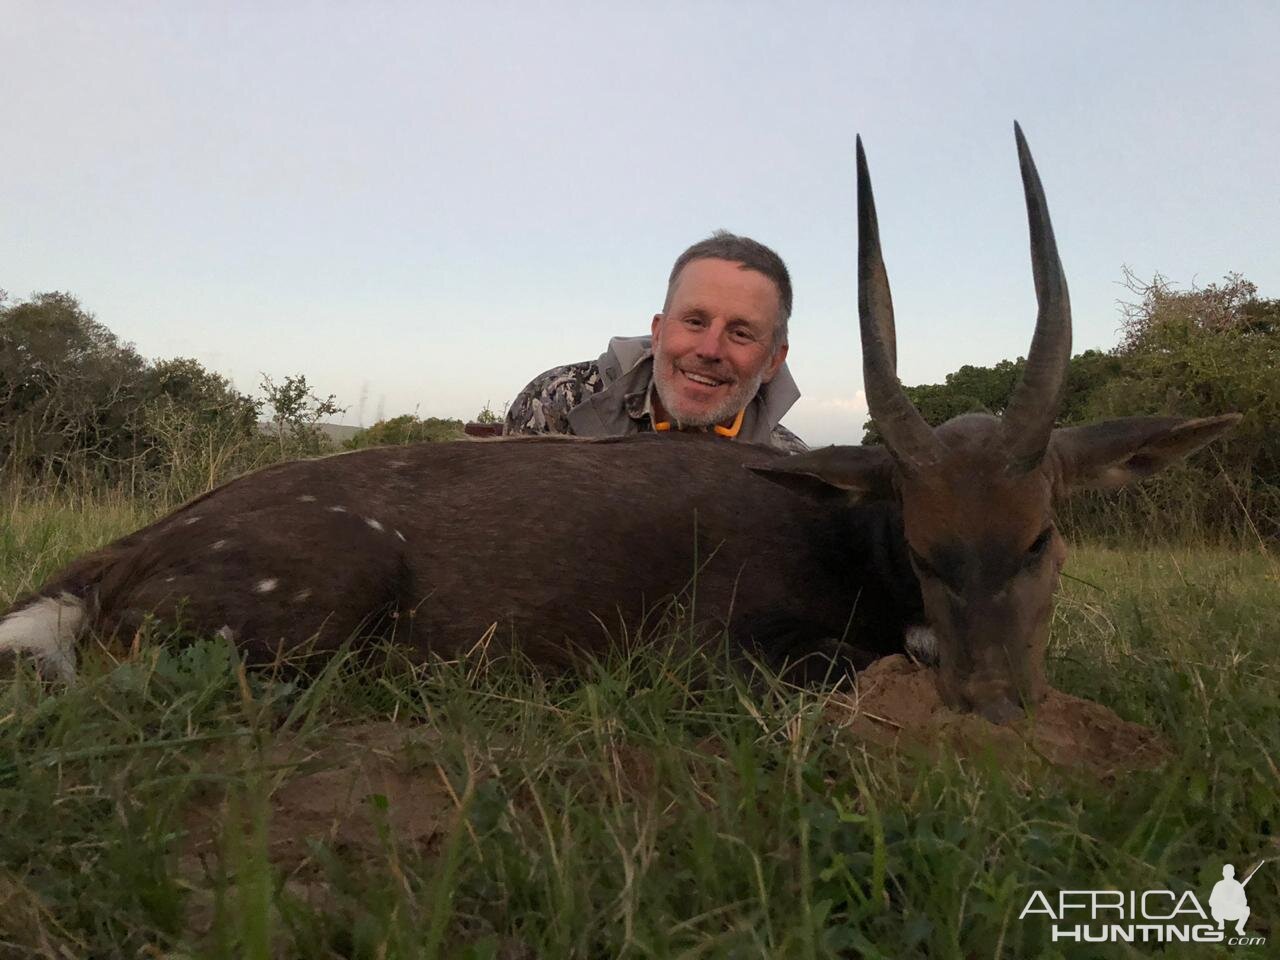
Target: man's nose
{"points": [[710, 345]]}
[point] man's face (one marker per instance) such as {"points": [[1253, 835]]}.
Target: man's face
{"points": [[715, 344]]}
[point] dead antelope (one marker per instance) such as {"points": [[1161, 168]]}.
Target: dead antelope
{"points": [[548, 542]]}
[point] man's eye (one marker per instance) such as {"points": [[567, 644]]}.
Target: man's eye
{"points": [[744, 336]]}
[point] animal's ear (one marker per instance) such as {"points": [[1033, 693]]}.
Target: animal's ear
{"points": [[865, 473], [1103, 456]]}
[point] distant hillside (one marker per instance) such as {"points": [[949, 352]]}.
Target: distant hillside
{"points": [[339, 433]]}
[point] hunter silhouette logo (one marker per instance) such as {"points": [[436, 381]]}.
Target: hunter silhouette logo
{"points": [[1149, 916], [1228, 900]]}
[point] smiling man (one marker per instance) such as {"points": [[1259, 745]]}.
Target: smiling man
{"points": [[714, 361]]}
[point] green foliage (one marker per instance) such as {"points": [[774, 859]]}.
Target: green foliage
{"points": [[406, 429], [988, 389], [1199, 353], [78, 408], [296, 416], [488, 416], [69, 389], [199, 430]]}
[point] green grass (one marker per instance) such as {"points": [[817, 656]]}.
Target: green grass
{"points": [[160, 807]]}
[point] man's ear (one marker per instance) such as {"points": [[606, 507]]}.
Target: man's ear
{"points": [[858, 473], [1103, 456], [774, 365], [653, 327]]}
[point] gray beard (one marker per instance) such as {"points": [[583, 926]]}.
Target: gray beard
{"points": [[738, 399]]}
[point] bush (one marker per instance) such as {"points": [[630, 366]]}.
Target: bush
{"points": [[1198, 353], [70, 391], [79, 408], [406, 429]]}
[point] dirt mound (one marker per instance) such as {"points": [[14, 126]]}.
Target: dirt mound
{"points": [[323, 788], [897, 704], [331, 787]]}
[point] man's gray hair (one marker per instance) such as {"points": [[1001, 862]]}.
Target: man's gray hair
{"points": [[723, 245]]}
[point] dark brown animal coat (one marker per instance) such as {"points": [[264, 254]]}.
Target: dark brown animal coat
{"points": [[554, 544]]}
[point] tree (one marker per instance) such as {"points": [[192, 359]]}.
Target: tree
{"points": [[297, 414], [988, 389], [487, 415], [69, 389]]}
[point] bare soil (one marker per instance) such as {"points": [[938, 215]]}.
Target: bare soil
{"points": [[897, 704], [357, 787]]}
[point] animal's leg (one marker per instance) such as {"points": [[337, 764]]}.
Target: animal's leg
{"points": [[46, 628]]}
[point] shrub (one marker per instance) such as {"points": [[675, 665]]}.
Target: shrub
{"points": [[1198, 353], [406, 429], [69, 391]]}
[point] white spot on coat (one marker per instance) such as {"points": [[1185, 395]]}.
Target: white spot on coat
{"points": [[398, 463], [267, 585], [306, 498], [301, 596], [373, 523], [338, 509], [46, 629], [226, 633], [400, 535], [218, 545], [189, 521]]}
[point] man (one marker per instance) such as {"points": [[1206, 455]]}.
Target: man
{"points": [[714, 363]]}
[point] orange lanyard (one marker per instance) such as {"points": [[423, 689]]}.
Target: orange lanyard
{"points": [[730, 431]]}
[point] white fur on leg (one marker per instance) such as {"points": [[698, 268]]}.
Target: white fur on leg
{"points": [[46, 629], [922, 644]]}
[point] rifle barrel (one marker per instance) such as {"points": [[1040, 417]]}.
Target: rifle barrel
{"points": [[1252, 872]]}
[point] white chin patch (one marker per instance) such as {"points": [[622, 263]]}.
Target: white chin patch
{"points": [[922, 645], [47, 630]]}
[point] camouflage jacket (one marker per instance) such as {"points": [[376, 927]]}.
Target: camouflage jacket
{"points": [[609, 397]]}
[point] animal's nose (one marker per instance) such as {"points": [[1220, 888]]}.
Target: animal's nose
{"points": [[1001, 710]]}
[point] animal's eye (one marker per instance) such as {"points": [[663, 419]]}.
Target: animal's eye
{"points": [[927, 570], [1037, 548]]}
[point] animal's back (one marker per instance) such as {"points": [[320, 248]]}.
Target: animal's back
{"points": [[542, 540]]}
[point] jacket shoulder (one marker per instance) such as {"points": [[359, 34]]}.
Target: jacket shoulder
{"points": [[543, 405]]}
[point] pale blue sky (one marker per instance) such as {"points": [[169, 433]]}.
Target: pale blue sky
{"points": [[433, 202]]}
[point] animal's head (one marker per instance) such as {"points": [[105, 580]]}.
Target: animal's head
{"points": [[977, 492]]}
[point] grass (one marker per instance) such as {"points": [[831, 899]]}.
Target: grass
{"points": [[169, 803]]}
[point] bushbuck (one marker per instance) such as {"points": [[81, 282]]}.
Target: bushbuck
{"points": [[563, 545]]}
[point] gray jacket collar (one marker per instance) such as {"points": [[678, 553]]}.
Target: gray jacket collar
{"points": [[626, 369]]}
